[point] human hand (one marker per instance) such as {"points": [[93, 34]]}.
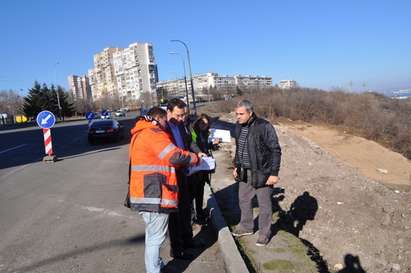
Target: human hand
{"points": [[235, 173], [200, 154], [272, 180]]}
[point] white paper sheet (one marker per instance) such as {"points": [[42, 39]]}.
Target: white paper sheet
{"points": [[207, 163], [224, 135]]}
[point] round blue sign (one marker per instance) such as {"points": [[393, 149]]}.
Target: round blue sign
{"points": [[46, 119], [89, 115]]}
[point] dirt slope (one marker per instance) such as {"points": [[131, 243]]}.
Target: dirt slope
{"points": [[371, 159], [358, 217]]}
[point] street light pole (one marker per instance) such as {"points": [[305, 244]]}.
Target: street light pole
{"points": [[57, 93], [185, 78], [191, 75]]}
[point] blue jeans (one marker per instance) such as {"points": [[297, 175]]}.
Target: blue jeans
{"points": [[156, 229]]}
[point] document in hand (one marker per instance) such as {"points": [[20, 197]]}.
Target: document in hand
{"points": [[207, 163], [223, 135]]}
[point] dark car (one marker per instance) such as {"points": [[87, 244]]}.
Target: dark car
{"points": [[105, 129]]}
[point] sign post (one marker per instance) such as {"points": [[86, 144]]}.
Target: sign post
{"points": [[46, 120], [90, 116]]}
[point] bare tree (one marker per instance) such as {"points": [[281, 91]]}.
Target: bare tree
{"points": [[10, 102]]}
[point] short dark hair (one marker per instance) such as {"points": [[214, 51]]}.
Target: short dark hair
{"points": [[157, 112], [175, 103]]}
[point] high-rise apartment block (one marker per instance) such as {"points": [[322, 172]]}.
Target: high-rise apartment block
{"points": [[102, 78], [124, 72], [80, 87]]}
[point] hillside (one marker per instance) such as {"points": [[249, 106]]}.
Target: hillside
{"points": [[357, 215]]}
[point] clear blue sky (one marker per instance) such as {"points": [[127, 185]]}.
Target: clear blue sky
{"points": [[321, 44]]}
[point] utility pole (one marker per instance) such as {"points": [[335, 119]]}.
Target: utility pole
{"points": [[185, 79], [191, 75], [56, 90]]}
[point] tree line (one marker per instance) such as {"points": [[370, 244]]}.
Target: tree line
{"points": [[53, 99]]}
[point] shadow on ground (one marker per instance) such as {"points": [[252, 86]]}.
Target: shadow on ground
{"points": [[138, 239], [206, 237], [302, 210]]}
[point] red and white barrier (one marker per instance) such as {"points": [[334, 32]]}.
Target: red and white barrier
{"points": [[47, 142]]}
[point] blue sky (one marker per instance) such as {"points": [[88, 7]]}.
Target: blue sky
{"points": [[322, 44]]}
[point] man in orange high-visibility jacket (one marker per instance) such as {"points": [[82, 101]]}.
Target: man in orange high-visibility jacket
{"points": [[153, 182]]}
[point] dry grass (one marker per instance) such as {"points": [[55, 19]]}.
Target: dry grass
{"points": [[370, 115]]}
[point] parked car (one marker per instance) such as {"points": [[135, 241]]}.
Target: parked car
{"points": [[105, 114], [109, 129], [119, 113]]}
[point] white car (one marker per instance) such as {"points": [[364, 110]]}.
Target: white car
{"points": [[120, 114]]}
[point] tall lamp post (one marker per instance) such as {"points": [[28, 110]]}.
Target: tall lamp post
{"points": [[185, 78], [57, 92], [191, 75]]}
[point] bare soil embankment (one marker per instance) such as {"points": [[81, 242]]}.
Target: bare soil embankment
{"points": [[359, 218], [370, 158]]}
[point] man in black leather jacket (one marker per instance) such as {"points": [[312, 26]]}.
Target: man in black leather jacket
{"points": [[256, 166]]}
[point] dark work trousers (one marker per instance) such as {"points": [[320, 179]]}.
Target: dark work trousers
{"points": [[197, 192], [179, 227], [245, 195]]}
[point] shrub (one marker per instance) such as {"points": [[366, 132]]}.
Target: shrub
{"points": [[370, 115]]}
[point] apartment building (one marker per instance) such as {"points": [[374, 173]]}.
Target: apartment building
{"points": [[79, 86], [252, 82], [125, 73], [287, 84], [102, 78], [204, 82]]}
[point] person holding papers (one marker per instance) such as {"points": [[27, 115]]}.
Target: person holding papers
{"points": [[200, 133]]}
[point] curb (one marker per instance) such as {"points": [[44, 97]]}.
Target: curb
{"points": [[233, 261]]}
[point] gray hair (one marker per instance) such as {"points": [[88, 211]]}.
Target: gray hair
{"points": [[246, 104]]}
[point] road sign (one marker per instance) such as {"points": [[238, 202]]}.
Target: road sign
{"points": [[89, 116], [46, 119]]}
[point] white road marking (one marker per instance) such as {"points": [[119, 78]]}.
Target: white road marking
{"points": [[106, 212], [13, 148]]}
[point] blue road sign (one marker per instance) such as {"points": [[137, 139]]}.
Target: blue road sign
{"points": [[46, 119], [89, 116]]}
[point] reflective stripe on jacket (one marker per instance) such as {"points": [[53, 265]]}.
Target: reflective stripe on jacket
{"points": [[153, 157]]}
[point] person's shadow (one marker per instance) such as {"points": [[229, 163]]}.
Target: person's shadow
{"points": [[205, 239], [352, 265], [303, 208]]}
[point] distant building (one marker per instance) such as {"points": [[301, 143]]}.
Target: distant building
{"points": [[79, 87], [204, 82], [401, 94], [253, 82], [287, 84], [102, 78], [125, 73]]}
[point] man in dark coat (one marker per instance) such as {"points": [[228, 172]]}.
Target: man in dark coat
{"points": [[256, 166]]}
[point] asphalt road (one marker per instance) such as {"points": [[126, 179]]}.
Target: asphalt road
{"points": [[68, 216]]}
